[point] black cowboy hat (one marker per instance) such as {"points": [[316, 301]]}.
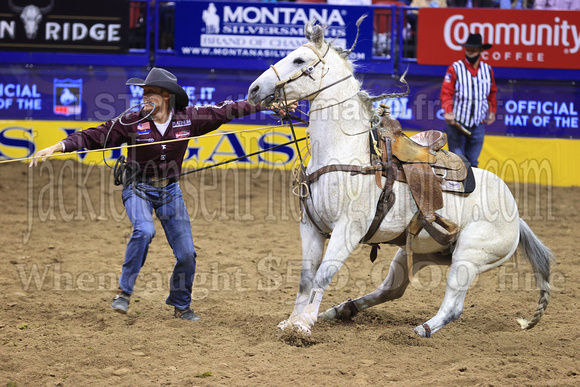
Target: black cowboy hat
{"points": [[164, 79], [475, 41]]}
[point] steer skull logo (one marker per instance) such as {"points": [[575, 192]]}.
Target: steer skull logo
{"points": [[31, 16]]}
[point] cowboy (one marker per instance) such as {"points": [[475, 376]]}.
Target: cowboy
{"points": [[152, 182], [468, 100]]}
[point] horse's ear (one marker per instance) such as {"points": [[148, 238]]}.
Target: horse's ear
{"points": [[314, 33], [309, 30]]}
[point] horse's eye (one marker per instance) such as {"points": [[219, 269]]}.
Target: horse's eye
{"points": [[298, 61]]}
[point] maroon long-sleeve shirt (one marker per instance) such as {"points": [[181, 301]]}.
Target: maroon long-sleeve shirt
{"points": [[159, 160]]}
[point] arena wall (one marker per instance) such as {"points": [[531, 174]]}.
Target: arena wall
{"points": [[52, 87], [514, 159]]}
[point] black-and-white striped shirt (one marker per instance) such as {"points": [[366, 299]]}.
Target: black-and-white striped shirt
{"points": [[470, 104]]}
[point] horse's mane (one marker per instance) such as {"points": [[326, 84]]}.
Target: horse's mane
{"points": [[365, 97], [315, 33], [350, 64]]}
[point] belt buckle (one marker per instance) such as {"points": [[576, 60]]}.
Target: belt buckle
{"points": [[159, 183]]}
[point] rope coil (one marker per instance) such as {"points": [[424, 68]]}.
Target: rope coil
{"points": [[128, 174]]}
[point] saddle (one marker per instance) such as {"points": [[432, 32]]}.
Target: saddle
{"points": [[420, 162], [428, 169]]}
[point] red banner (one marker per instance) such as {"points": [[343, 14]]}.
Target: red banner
{"points": [[527, 39]]}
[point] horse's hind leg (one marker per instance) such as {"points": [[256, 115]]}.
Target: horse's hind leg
{"points": [[461, 275], [392, 288]]}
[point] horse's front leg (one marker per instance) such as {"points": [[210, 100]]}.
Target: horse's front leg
{"points": [[341, 244], [312, 250]]}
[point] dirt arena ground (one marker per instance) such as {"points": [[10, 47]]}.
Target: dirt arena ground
{"points": [[63, 241]]}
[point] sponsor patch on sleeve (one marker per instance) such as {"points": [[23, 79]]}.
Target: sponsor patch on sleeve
{"points": [[448, 77]]}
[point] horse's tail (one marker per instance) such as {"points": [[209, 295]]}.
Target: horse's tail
{"points": [[540, 258]]}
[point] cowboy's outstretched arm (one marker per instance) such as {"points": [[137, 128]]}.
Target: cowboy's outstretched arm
{"points": [[114, 132], [45, 153], [210, 117]]}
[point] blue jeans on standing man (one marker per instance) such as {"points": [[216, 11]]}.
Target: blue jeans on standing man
{"points": [[468, 146], [175, 220]]}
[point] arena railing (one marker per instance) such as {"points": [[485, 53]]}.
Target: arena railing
{"points": [[151, 44]]}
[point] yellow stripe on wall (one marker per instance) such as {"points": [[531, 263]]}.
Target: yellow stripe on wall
{"points": [[532, 160], [514, 159], [18, 138]]}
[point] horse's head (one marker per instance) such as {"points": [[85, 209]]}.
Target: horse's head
{"points": [[300, 74]]}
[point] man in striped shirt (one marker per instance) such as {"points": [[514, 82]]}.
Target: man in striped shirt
{"points": [[468, 100]]}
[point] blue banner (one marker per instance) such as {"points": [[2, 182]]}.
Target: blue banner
{"points": [[101, 94], [264, 30], [533, 108]]}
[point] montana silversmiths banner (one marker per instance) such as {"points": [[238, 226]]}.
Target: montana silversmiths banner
{"points": [[265, 30], [64, 25], [520, 38]]}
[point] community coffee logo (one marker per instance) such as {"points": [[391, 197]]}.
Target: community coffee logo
{"points": [[520, 38], [553, 33]]}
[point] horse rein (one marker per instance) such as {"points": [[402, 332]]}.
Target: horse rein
{"points": [[307, 71], [302, 179], [304, 71]]}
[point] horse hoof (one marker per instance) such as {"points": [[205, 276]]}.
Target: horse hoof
{"points": [[329, 314], [282, 325], [297, 327], [302, 329], [423, 330]]}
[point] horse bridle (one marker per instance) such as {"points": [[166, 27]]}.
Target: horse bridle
{"points": [[306, 71]]}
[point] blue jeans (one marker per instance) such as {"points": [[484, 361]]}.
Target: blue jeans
{"points": [[461, 144], [175, 221]]}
